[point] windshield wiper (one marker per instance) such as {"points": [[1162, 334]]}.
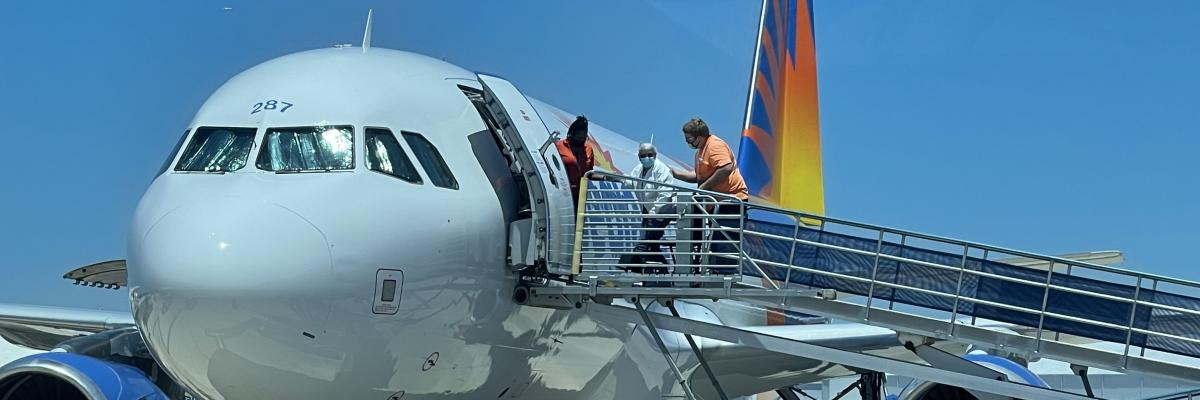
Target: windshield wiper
{"points": [[212, 169], [301, 171]]}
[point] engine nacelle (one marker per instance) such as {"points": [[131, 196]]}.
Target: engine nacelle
{"points": [[73, 376], [925, 390]]}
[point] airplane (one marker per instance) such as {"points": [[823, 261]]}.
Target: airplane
{"points": [[338, 223]]}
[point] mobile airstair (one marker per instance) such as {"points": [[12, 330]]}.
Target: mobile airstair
{"points": [[922, 286]]}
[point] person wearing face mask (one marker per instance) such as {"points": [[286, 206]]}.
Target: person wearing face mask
{"points": [[576, 154], [715, 171], [715, 168], [649, 168], [654, 199]]}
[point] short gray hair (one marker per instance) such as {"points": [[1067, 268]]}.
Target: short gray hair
{"points": [[647, 147]]}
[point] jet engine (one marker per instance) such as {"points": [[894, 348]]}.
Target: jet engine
{"points": [[70, 376]]}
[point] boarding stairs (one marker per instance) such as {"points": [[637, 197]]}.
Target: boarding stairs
{"points": [[1010, 302]]}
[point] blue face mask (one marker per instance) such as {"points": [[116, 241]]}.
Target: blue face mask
{"points": [[647, 162]]}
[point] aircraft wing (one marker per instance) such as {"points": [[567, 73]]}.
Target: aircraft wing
{"points": [[744, 370], [42, 328]]}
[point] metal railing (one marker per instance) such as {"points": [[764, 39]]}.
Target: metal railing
{"points": [[1190, 394], [689, 232], [702, 238], [1140, 283]]}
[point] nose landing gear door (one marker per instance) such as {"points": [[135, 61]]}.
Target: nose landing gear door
{"points": [[551, 228]]}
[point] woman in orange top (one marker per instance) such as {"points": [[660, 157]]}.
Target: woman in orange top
{"points": [[576, 153]]}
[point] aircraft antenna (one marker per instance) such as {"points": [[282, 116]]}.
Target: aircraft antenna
{"points": [[367, 33]]}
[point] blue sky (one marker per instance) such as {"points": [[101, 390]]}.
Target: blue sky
{"points": [[1047, 126]]}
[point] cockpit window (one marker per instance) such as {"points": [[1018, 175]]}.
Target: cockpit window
{"points": [[309, 148], [217, 150], [429, 157], [174, 150], [385, 155]]}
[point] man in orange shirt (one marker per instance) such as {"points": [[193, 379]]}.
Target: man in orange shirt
{"points": [[715, 171], [576, 154], [715, 168]]}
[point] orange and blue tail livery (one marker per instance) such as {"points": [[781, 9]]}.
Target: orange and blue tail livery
{"points": [[780, 152]]}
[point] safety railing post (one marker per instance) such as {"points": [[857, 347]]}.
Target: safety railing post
{"points": [[686, 226], [741, 244], [972, 314], [1153, 291], [962, 270], [1137, 290], [1042, 314], [874, 274], [1058, 335], [706, 235], [787, 276], [896, 276]]}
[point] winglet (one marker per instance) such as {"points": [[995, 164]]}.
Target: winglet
{"points": [[108, 274], [367, 33]]}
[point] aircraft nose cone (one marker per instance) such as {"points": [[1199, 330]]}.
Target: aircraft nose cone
{"points": [[221, 289], [231, 245]]}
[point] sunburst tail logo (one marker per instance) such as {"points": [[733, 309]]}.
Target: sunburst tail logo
{"points": [[780, 152]]}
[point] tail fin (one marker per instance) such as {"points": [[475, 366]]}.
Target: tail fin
{"points": [[780, 152]]}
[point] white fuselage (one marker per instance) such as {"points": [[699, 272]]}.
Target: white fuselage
{"points": [[249, 284]]}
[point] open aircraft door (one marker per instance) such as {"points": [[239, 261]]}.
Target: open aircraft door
{"points": [[547, 237]]}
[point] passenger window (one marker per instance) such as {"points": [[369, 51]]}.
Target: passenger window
{"points": [[174, 150], [307, 149], [385, 155], [217, 150], [429, 157]]}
